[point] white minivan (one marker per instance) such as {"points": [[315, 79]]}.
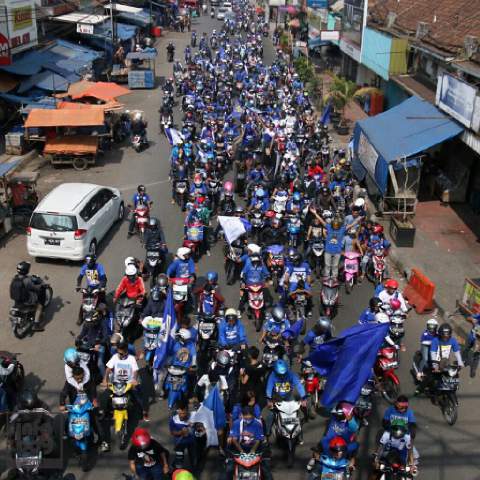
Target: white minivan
{"points": [[72, 219]]}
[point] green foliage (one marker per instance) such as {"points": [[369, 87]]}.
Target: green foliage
{"points": [[304, 69]]}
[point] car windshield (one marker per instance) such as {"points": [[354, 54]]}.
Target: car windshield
{"points": [[53, 222]]}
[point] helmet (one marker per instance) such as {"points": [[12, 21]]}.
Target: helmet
{"points": [[23, 268], [325, 191], [359, 203], [228, 187], [325, 324], [116, 339], [253, 248], [391, 283], [260, 193], [141, 438], [185, 334], [296, 197], [337, 446], [162, 281], [398, 431], [130, 270], [155, 293], [239, 210], [153, 223], [278, 313], [90, 259], [182, 474], [375, 303], [327, 214], [231, 314], [445, 331], [28, 400], [212, 277], [223, 358], [183, 252], [395, 304], [432, 326], [280, 367], [255, 258], [130, 261], [70, 355], [197, 179], [382, 317], [141, 188], [377, 229]]}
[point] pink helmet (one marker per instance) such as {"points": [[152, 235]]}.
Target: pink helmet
{"points": [[228, 186], [395, 304]]}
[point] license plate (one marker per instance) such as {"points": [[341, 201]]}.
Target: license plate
{"points": [[350, 267], [153, 254], [52, 241], [207, 327]]}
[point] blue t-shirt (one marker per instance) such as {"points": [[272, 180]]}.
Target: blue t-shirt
{"points": [[247, 433], [93, 275], [175, 425], [393, 416], [367, 316], [334, 240]]}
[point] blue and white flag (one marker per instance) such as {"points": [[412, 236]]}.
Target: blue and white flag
{"points": [[233, 227], [174, 136], [212, 414], [167, 332]]}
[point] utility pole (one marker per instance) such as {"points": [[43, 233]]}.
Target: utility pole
{"points": [[112, 26]]}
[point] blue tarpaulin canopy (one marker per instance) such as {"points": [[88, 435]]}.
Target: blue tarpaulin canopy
{"points": [[124, 31], [46, 80], [141, 55], [401, 132], [6, 167]]}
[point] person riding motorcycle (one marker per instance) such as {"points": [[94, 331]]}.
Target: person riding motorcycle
{"points": [[253, 272], [426, 339], [131, 285], [298, 277], [400, 414], [211, 287], [141, 197], [93, 271], [183, 265], [154, 235], [274, 233], [170, 51], [320, 333], [368, 315], [442, 346], [281, 384], [156, 301], [276, 322], [72, 360], [391, 292], [231, 331], [26, 293], [333, 461]]}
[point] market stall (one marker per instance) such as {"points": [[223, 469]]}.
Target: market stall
{"points": [[141, 69], [79, 151]]}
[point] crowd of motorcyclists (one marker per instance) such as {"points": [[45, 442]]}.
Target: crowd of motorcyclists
{"points": [[304, 220]]}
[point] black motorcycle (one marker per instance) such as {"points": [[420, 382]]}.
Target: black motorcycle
{"points": [[154, 261], [22, 316]]}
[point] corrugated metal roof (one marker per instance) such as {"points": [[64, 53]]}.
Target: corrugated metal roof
{"points": [[77, 17], [75, 144], [64, 118], [119, 7], [46, 80]]}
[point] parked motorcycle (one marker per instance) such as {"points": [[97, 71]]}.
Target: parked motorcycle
{"points": [[22, 316]]}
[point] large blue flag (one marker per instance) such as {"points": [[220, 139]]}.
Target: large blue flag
{"points": [[347, 361], [167, 331], [325, 120], [212, 414]]}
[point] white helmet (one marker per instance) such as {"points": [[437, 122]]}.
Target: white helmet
{"points": [[130, 270], [253, 248], [130, 261], [185, 334], [382, 317], [182, 252], [359, 202]]}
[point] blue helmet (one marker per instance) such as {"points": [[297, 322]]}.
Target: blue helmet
{"points": [[212, 277], [70, 355], [297, 197], [260, 193], [280, 367]]}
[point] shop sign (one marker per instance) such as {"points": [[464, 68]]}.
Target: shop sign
{"points": [[349, 49], [330, 35], [458, 99], [85, 28]]}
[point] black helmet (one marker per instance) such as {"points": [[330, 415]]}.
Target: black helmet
{"points": [[153, 223], [223, 358], [398, 431], [278, 313], [141, 189], [155, 293], [23, 268], [325, 191], [239, 210], [374, 303], [162, 281], [28, 400], [90, 259], [445, 331], [324, 324]]}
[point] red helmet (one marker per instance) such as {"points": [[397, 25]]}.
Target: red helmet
{"points": [[141, 438], [228, 186], [337, 444], [377, 229], [395, 304], [391, 283]]}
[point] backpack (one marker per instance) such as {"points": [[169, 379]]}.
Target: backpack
{"points": [[18, 291]]}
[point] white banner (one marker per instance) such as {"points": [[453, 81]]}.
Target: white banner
{"points": [[232, 227], [367, 154], [22, 24]]}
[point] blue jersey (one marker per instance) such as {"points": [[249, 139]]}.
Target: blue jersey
{"points": [[95, 276], [229, 335], [247, 433], [183, 355], [440, 349], [367, 316], [426, 338], [137, 198], [176, 425], [284, 386], [181, 268], [334, 239], [394, 417], [312, 339], [252, 274], [297, 273], [270, 326]]}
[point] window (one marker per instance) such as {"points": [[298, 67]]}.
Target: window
{"points": [[53, 222], [92, 207]]}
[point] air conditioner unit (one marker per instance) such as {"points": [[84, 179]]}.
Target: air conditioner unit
{"points": [[422, 30], [470, 43], [391, 17]]}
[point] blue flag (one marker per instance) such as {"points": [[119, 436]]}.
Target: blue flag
{"points": [[214, 403], [294, 330], [167, 331], [325, 120], [347, 361]]}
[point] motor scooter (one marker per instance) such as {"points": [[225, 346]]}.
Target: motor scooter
{"points": [[275, 263], [142, 217], [384, 369], [287, 427], [79, 428], [350, 270], [180, 287], [151, 339], [256, 304], [194, 238], [175, 385], [376, 268], [120, 397], [329, 297]]}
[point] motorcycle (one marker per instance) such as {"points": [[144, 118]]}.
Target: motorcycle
{"points": [[364, 406], [154, 260], [166, 121], [314, 385], [258, 223], [213, 191], [280, 202], [194, 238], [287, 427], [329, 297], [139, 142], [233, 254], [351, 270], [142, 216], [91, 297], [12, 382], [79, 427], [256, 304], [119, 393], [175, 385], [317, 248], [275, 263], [170, 54], [376, 268], [294, 226], [151, 339], [385, 366], [247, 466], [394, 470], [125, 316], [180, 295], [181, 193], [272, 350]]}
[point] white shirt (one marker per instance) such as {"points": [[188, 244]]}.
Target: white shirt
{"points": [[72, 381], [385, 297], [123, 369]]}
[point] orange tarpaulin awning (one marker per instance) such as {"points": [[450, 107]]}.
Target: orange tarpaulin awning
{"points": [[102, 90], [113, 105], [75, 145], [65, 118]]}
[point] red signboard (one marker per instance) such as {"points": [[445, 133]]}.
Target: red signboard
{"points": [[5, 58]]}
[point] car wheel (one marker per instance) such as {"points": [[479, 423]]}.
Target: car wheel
{"points": [[93, 247], [121, 212]]}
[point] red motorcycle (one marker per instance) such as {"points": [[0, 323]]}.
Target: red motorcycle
{"points": [[256, 304], [194, 239], [387, 380], [142, 216], [314, 385], [180, 288], [376, 270]]}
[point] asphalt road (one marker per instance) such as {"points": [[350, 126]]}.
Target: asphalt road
{"points": [[446, 452]]}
